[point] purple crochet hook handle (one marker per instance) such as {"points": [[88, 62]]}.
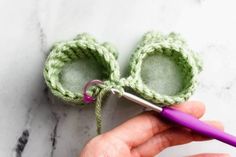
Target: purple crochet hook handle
{"points": [[196, 125], [184, 120]]}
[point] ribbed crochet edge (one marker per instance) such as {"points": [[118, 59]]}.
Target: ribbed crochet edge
{"points": [[155, 42], [84, 45]]}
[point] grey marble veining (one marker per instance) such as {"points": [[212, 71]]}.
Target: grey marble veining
{"points": [[34, 123]]}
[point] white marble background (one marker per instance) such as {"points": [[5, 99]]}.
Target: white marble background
{"points": [[28, 28]]}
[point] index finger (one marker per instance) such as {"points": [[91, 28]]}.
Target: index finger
{"points": [[142, 127]]}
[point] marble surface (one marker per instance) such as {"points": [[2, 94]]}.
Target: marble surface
{"points": [[30, 27]]}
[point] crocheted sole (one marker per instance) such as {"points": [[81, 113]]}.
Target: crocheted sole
{"points": [[74, 75], [162, 74]]}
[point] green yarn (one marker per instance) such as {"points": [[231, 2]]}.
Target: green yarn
{"points": [[174, 47], [105, 88], [162, 70], [83, 47]]}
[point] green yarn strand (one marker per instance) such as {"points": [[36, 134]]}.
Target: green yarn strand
{"points": [[105, 88], [98, 108]]}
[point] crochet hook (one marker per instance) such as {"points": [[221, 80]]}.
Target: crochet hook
{"points": [[183, 119]]}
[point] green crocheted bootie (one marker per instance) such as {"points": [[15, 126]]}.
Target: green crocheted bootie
{"points": [[70, 65], [163, 69]]}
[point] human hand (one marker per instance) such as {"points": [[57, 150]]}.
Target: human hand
{"points": [[147, 134]]}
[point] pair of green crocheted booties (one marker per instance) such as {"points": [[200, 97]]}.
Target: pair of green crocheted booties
{"points": [[162, 69]]}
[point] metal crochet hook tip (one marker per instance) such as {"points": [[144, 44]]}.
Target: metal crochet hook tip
{"points": [[138, 100]]}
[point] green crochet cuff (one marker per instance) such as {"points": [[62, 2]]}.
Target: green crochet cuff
{"points": [[71, 64], [162, 69]]}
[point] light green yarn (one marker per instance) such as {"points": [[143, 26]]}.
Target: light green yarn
{"points": [[174, 47], [83, 47], [85, 56], [105, 88], [71, 64]]}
